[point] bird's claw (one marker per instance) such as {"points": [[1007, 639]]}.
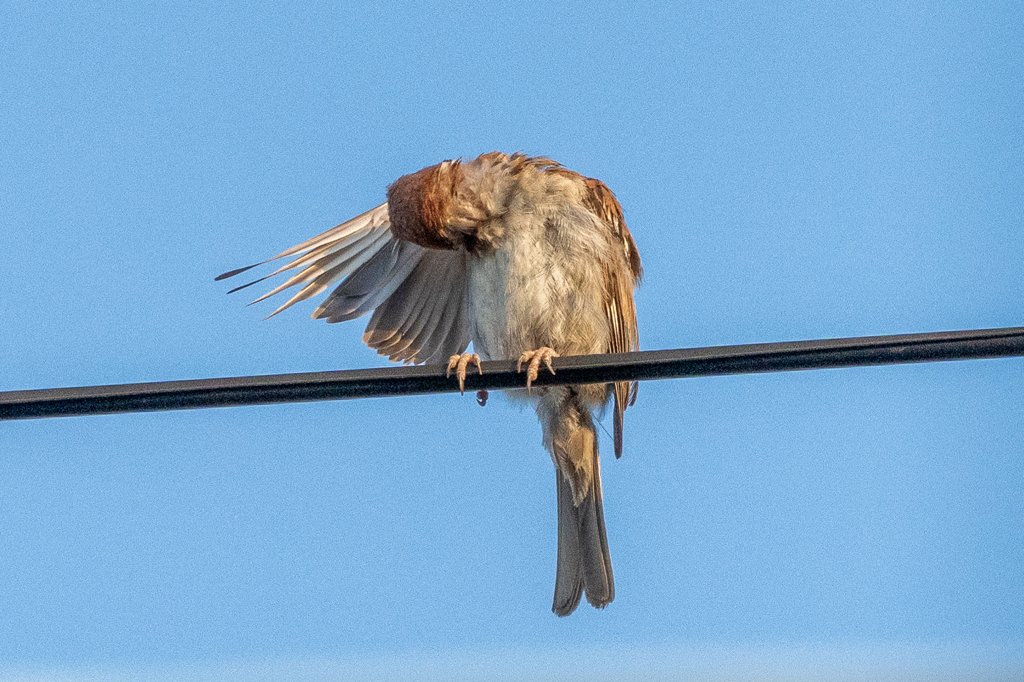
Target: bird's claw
{"points": [[459, 364], [535, 357]]}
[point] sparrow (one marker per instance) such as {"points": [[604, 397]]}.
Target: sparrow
{"points": [[528, 261]]}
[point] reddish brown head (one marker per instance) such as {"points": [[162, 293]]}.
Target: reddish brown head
{"points": [[419, 206]]}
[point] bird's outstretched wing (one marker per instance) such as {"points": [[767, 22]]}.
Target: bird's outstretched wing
{"points": [[419, 295]]}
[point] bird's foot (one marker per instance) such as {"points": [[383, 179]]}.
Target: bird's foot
{"points": [[459, 364], [535, 357], [481, 397]]}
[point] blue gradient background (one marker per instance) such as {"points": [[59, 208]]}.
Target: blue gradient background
{"points": [[790, 171]]}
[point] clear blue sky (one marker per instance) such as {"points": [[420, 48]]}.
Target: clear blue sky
{"points": [[789, 170]]}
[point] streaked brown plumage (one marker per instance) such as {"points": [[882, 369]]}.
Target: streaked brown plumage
{"points": [[529, 261]]}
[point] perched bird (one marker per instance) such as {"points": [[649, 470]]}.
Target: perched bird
{"points": [[529, 261]]}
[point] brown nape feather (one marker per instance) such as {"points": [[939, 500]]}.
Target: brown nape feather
{"points": [[419, 205]]}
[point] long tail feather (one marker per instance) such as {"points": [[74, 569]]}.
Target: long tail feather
{"points": [[584, 562]]}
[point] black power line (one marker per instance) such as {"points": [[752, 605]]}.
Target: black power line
{"points": [[583, 369]]}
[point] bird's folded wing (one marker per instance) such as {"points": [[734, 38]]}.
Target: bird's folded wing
{"points": [[620, 279]]}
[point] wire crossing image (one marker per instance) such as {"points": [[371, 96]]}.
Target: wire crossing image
{"points": [[582, 369]]}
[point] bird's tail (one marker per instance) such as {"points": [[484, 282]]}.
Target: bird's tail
{"points": [[584, 564]]}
